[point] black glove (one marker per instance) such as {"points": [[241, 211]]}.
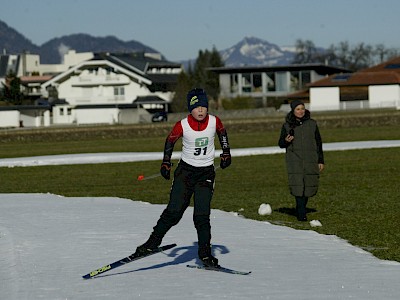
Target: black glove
{"points": [[225, 160], [165, 169]]}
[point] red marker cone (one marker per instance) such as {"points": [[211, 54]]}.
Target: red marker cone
{"points": [[140, 177]]}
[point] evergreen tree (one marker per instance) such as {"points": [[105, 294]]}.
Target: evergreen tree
{"points": [[212, 83], [179, 103], [199, 72], [203, 77], [11, 91], [200, 76]]}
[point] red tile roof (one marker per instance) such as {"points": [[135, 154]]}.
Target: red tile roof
{"points": [[27, 79], [359, 78], [392, 65], [384, 73]]}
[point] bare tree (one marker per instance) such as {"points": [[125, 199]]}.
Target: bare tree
{"points": [[361, 57], [305, 52], [343, 55]]}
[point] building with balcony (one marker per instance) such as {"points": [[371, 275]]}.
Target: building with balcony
{"points": [[89, 88], [263, 82], [113, 89]]}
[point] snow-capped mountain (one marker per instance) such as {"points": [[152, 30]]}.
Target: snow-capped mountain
{"points": [[248, 52], [254, 51]]}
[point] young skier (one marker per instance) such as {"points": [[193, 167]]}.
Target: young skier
{"points": [[194, 175]]}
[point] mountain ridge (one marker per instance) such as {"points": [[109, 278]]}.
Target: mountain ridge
{"points": [[247, 52]]}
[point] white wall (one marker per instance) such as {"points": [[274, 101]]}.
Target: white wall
{"points": [[97, 116], [30, 119], [384, 96], [132, 116], [28, 63], [63, 114], [70, 59], [9, 118], [99, 89], [225, 85], [325, 98]]}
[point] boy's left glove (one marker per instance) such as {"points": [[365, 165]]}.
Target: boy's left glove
{"points": [[225, 160], [165, 169]]}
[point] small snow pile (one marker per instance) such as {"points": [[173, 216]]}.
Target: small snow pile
{"points": [[315, 223], [236, 214], [264, 209]]}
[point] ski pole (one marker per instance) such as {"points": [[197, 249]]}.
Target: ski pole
{"points": [[142, 177]]}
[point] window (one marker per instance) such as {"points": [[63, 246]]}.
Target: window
{"points": [[294, 81], [282, 81], [271, 86], [246, 83], [234, 83], [353, 93], [109, 70], [257, 82], [119, 93], [92, 70], [393, 66], [305, 78], [341, 77]]}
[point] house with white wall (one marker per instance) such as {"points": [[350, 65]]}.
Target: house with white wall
{"points": [[374, 87], [105, 89], [32, 74], [90, 88], [24, 116]]}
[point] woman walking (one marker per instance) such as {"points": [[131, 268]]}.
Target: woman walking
{"points": [[304, 155]]}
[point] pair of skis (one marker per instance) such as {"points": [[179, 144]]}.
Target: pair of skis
{"points": [[134, 257]]}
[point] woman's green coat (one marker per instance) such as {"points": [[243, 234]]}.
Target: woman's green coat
{"points": [[303, 154]]}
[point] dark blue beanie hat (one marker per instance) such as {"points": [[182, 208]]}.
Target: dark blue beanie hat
{"points": [[196, 97]]}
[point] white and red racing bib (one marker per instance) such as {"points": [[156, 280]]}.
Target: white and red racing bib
{"points": [[198, 148]]}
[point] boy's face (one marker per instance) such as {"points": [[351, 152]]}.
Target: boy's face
{"points": [[199, 113]]}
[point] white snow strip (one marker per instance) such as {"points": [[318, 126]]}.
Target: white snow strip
{"points": [[116, 157], [48, 242]]}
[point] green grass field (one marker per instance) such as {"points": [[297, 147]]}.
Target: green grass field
{"points": [[358, 199]]}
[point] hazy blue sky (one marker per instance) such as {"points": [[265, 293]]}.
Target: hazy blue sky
{"points": [[180, 28]]}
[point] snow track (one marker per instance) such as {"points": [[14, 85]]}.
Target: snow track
{"points": [[96, 158]]}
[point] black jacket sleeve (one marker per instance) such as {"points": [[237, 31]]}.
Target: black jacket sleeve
{"points": [[282, 143], [223, 140], [320, 152], [168, 149]]}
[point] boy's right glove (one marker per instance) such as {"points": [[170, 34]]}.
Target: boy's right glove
{"points": [[165, 169], [225, 160]]}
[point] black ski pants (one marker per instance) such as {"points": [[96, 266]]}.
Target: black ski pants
{"points": [[190, 181]]}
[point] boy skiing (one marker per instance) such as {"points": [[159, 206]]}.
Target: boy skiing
{"points": [[194, 175]]}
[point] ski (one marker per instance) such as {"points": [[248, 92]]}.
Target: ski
{"points": [[124, 261], [219, 269]]}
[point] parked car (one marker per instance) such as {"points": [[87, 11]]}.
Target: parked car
{"points": [[160, 116]]}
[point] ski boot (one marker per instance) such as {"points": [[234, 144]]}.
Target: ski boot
{"points": [[152, 243], [206, 257]]}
